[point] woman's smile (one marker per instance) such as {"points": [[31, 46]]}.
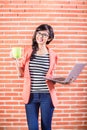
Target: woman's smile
{"points": [[42, 37]]}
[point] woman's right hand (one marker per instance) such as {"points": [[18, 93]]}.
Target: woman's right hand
{"points": [[11, 55]]}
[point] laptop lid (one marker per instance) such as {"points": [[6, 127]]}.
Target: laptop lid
{"points": [[74, 73]]}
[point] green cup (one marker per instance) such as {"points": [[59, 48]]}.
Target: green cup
{"points": [[16, 52]]}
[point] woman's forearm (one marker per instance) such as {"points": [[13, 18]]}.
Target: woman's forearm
{"points": [[21, 72]]}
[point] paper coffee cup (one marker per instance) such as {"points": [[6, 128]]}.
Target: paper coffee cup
{"points": [[16, 52]]}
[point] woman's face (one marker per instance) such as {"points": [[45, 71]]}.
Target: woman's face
{"points": [[42, 37]]}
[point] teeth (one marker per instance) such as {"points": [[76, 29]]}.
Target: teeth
{"points": [[41, 40]]}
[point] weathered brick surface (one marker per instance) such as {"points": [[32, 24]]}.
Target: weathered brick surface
{"points": [[18, 20]]}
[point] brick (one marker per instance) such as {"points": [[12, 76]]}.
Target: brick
{"points": [[1, 128], [13, 128], [18, 20]]}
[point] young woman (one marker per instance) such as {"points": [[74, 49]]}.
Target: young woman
{"points": [[37, 63]]}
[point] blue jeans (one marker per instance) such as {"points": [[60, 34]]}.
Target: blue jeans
{"points": [[44, 102]]}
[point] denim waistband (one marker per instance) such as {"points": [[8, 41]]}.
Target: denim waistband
{"points": [[38, 97]]}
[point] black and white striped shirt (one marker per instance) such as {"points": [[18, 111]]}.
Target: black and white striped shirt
{"points": [[38, 67]]}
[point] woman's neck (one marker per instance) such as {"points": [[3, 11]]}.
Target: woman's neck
{"points": [[42, 50]]}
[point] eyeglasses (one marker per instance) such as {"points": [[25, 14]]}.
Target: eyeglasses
{"points": [[43, 34]]}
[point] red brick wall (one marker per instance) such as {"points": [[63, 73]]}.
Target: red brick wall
{"points": [[18, 20]]}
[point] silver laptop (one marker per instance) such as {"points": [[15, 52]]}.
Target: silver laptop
{"points": [[72, 76]]}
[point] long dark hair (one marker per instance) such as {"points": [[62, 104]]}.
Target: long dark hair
{"points": [[42, 27]]}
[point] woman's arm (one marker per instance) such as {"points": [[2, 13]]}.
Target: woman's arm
{"points": [[20, 69]]}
